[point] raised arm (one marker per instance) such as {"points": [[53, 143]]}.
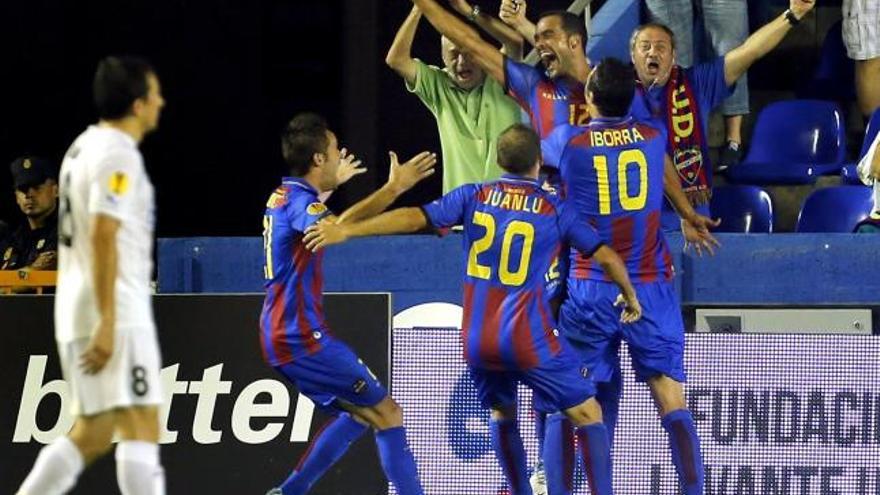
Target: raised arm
{"points": [[399, 56], [466, 38], [399, 221], [511, 41], [401, 178], [738, 60], [513, 13]]}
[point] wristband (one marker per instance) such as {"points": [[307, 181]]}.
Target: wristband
{"points": [[475, 12], [791, 18]]}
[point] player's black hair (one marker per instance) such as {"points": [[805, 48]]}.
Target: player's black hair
{"points": [[571, 24], [119, 81], [647, 25], [519, 147], [305, 135], [612, 85]]}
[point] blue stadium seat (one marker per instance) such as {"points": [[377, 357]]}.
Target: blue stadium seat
{"points": [[848, 173], [835, 209], [794, 142], [849, 176], [834, 75], [742, 209]]}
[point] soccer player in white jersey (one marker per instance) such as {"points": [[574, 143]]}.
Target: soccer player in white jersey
{"points": [[103, 315]]}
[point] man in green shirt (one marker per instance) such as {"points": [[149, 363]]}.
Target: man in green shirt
{"points": [[471, 109]]}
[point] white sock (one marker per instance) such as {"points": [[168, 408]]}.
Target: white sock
{"points": [[55, 471], [138, 470]]}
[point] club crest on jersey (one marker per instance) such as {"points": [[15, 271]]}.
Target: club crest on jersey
{"points": [[41, 243], [316, 209], [118, 183]]}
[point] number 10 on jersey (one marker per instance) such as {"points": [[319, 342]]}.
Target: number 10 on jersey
{"points": [[624, 160]]}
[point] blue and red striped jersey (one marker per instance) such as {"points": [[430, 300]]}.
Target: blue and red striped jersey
{"points": [[292, 321], [613, 175], [549, 102], [513, 231]]}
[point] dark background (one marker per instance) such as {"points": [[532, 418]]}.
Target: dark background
{"points": [[233, 72]]}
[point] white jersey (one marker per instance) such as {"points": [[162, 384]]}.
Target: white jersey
{"points": [[103, 172]]}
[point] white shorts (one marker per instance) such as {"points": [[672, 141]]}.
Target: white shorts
{"points": [[130, 378], [861, 28]]}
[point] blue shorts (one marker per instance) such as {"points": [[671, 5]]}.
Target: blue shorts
{"points": [[558, 384], [334, 374], [591, 324]]}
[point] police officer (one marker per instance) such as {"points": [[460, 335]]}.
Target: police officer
{"points": [[33, 245]]}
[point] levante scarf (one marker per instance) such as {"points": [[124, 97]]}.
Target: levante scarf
{"points": [[687, 146]]}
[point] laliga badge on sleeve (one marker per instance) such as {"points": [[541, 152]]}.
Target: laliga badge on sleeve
{"points": [[118, 183]]}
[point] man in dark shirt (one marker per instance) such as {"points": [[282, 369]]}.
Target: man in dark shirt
{"points": [[33, 245]]}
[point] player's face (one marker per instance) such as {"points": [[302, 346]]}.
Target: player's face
{"points": [[151, 105], [36, 201], [653, 56], [558, 50], [331, 163], [464, 72]]}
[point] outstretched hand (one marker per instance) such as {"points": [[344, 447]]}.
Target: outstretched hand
{"points": [[349, 166], [405, 176], [697, 235]]}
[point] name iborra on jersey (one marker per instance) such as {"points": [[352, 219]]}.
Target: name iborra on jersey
{"points": [[615, 137]]}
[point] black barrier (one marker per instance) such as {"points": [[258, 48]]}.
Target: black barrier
{"points": [[227, 430]]}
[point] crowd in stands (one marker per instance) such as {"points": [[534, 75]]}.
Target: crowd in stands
{"points": [[794, 142]]}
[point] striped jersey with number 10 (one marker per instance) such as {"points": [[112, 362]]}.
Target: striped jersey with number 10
{"points": [[613, 173]]}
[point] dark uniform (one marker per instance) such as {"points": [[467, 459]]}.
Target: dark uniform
{"points": [[24, 245]]}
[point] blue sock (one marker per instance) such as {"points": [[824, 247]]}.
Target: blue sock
{"points": [[540, 428], [327, 447], [397, 461], [559, 454], [596, 454], [685, 446], [511, 454], [608, 397]]}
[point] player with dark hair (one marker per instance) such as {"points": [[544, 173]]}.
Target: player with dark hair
{"points": [[513, 229], [294, 336], [104, 322], [614, 171]]}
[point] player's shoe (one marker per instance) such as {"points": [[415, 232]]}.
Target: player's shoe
{"points": [[274, 491], [538, 480]]}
